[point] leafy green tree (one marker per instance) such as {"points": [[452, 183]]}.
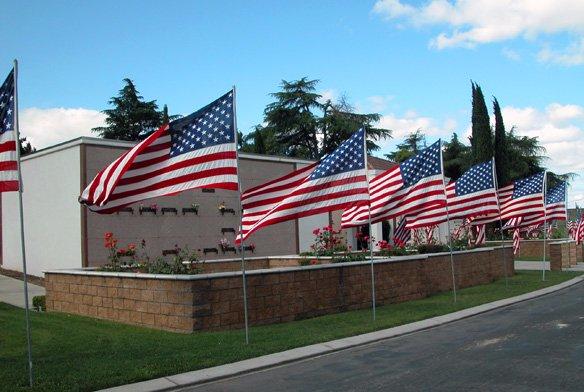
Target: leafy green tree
{"points": [[456, 158], [413, 143], [525, 155], [500, 146], [25, 146], [482, 136], [293, 117], [261, 141], [340, 121], [131, 118]]}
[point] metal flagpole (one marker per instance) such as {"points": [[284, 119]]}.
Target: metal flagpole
{"points": [[243, 274], [544, 224], [500, 225], [370, 229], [26, 312], [448, 222]]}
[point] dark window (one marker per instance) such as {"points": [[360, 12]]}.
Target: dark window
{"points": [[208, 190]]}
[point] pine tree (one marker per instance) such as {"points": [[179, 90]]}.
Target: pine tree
{"points": [[413, 143], [132, 118], [456, 158], [482, 136], [500, 147]]}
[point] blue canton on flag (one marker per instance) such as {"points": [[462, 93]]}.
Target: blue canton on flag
{"points": [[476, 179], [210, 126], [528, 186], [347, 157], [7, 104], [424, 164], [556, 194]]}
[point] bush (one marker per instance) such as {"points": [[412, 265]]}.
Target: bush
{"points": [[39, 303], [306, 261], [432, 248], [349, 257]]}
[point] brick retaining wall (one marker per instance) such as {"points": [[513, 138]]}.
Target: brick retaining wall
{"points": [[214, 301]]}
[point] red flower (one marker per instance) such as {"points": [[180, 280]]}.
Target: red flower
{"points": [[316, 231], [313, 262], [131, 246], [108, 235]]}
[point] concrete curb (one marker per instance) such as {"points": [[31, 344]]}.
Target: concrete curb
{"points": [[254, 364]]}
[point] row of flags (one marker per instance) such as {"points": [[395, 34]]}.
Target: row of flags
{"points": [[200, 151]]}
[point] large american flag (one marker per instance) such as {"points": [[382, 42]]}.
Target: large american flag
{"points": [[338, 181], [258, 201], [196, 151], [555, 209], [405, 189], [521, 198], [473, 194], [8, 144]]}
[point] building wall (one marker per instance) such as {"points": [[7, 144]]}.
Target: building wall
{"points": [[194, 231], [51, 213]]}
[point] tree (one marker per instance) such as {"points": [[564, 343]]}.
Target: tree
{"points": [[500, 146], [25, 147], [132, 118], [413, 143], [292, 117], [525, 156], [340, 121], [482, 136], [456, 158], [261, 141], [298, 124]]}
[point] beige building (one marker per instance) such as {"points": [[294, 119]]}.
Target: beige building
{"points": [[60, 233]]}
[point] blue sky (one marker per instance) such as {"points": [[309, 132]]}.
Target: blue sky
{"points": [[410, 61]]}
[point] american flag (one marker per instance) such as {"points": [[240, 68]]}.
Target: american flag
{"points": [[521, 198], [480, 237], [401, 235], [429, 234], [405, 189], [258, 201], [555, 209], [196, 151], [516, 241], [572, 226], [473, 194], [8, 145], [337, 182]]}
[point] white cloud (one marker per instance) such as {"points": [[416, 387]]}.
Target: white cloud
{"points": [[469, 23], [378, 103], [410, 121], [560, 129], [511, 54], [572, 55], [328, 95], [45, 127]]}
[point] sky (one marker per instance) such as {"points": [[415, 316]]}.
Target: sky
{"points": [[410, 61]]}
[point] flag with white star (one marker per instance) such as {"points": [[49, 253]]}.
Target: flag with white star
{"points": [[8, 158], [408, 188], [473, 194], [555, 209], [336, 182], [196, 151]]}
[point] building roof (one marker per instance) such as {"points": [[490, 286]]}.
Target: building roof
{"points": [[381, 164]]}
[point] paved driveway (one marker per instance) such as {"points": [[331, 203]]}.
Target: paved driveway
{"points": [[12, 291], [536, 345]]}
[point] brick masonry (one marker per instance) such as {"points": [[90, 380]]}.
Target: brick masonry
{"points": [[564, 254], [214, 301]]}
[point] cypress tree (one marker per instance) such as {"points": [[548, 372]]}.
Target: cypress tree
{"points": [[482, 136], [501, 149]]}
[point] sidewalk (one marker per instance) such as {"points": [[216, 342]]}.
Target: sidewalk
{"points": [[12, 291]]}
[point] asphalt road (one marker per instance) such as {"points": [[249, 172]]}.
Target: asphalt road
{"points": [[536, 345]]}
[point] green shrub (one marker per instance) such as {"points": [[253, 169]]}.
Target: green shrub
{"points": [[39, 303], [432, 248], [349, 257]]}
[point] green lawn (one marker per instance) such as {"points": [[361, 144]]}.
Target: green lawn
{"points": [[79, 353]]}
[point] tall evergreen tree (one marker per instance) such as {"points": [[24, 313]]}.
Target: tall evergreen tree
{"points": [[131, 118], [293, 117], [482, 136], [456, 158], [500, 147]]}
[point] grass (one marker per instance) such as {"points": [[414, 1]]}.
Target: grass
{"points": [[79, 354]]}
